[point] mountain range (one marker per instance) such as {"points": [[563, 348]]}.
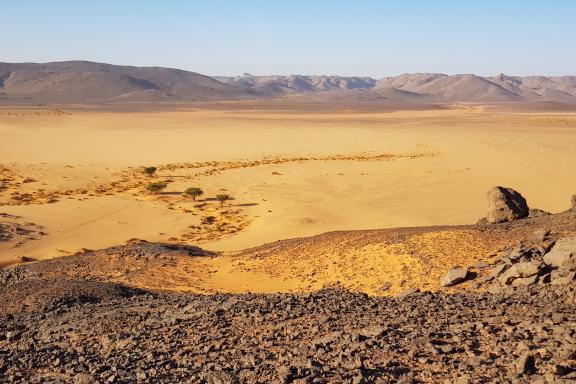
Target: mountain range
{"points": [[89, 82]]}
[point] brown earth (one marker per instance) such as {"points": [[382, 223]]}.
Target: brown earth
{"points": [[128, 313], [377, 262]]}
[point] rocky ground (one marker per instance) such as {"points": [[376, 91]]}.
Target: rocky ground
{"points": [[508, 319], [377, 262], [88, 332]]}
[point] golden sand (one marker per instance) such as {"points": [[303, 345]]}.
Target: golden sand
{"points": [[78, 174]]}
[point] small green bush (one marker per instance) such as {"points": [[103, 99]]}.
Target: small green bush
{"points": [[222, 198], [193, 192], [156, 186]]}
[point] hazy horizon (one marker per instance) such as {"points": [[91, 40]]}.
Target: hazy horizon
{"points": [[368, 39], [240, 74]]}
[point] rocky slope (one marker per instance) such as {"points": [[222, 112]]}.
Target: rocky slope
{"points": [[376, 262], [99, 316], [88, 332]]}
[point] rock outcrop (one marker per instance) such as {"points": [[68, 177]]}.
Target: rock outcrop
{"points": [[546, 263], [331, 335], [524, 270], [563, 252], [506, 204]]}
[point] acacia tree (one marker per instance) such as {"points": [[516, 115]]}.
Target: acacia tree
{"points": [[156, 187], [222, 198], [150, 171], [193, 192]]}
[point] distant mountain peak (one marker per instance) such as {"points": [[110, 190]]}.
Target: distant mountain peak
{"points": [[85, 81]]}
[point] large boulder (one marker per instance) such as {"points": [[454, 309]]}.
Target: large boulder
{"points": [[574, 202], [520, 270], [563, 251], [505, 204], [454, 276]]}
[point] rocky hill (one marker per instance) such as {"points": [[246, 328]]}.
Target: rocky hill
{"points": [[468, 87], [88, 82], [82, 82], [419, 87], [282, 85]]}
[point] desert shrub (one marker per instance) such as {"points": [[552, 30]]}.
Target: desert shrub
{"points": [[193, 192], [156, 186], [222, 198], [150, 171]]}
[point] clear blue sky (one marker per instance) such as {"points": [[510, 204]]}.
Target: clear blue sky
{"points": [[356, 37]]}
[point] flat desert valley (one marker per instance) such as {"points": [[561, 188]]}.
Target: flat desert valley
{"points": [[73, 179]]}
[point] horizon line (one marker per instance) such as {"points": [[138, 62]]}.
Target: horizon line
{"points": [[246, 73]]}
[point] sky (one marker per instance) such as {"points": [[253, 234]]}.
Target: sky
{"points": [[351, 38]]}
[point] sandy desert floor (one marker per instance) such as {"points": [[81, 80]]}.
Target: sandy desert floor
{"points": [[72, 177]]}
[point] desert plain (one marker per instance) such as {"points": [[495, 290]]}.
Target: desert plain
{"points": [[73, 180], [349, 250]]}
